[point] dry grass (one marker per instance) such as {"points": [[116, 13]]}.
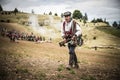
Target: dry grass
{"points": [[47, 61], [19, 17]]}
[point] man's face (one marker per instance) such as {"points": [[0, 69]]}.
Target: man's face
{"points": [[67, 18]]}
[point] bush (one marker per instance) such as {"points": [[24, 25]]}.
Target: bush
{"points": [[8, 21], [94, 38], [56, 14]]}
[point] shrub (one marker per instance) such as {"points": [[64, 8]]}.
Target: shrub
{"points": [[8, 21]]}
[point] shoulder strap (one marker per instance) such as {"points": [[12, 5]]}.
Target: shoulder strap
{"points": [[73, 27], [64, 26]]}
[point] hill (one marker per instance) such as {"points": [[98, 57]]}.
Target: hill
{"points": [[27, 60]]}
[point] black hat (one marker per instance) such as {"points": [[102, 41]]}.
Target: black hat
{"points": [[67, 13]]}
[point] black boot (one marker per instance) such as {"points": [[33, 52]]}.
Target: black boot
{"points": [[76, 66], [68, 67]]}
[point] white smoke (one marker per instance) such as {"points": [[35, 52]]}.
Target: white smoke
{"points": [[55, 24], [34, 24], [42, 30]]}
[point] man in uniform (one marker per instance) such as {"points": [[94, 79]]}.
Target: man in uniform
{"points": [[70, 29]]}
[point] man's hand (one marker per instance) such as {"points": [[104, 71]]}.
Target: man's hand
{"points": [[74, 37]]}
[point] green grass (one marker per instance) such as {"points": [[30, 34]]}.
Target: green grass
{"points": [[85, 77], [21, 70], [110, 30], [41, 76], [71, 71], [60, 68], [59, 76]]}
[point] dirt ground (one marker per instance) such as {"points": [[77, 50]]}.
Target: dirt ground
{"points": [[24, 60]]}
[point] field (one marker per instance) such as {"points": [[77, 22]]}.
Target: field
{"points": [[25, 60]]}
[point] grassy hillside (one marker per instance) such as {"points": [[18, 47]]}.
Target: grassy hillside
{"points": [[110, 30], [97, 34], [19, 17], [25, 60]]}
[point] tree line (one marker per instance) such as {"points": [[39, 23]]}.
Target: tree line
{"points": [[77, 14], [15, 10]]}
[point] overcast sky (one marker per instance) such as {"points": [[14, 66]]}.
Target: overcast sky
{"points": [[109, 9]]}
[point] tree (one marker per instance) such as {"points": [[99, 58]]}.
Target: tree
{"points": [[16, 11], [105, 20], [119, 25], [99, 20], [50, 13], [77, 14], [1, 9], [107, 23], [115, 24], [32, 11], [86, 17], [56, 14], [44, 13], [62, 15], [94, 21], [84, 21]]}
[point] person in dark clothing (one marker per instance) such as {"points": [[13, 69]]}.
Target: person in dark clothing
{"points": [[70, 29]]}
